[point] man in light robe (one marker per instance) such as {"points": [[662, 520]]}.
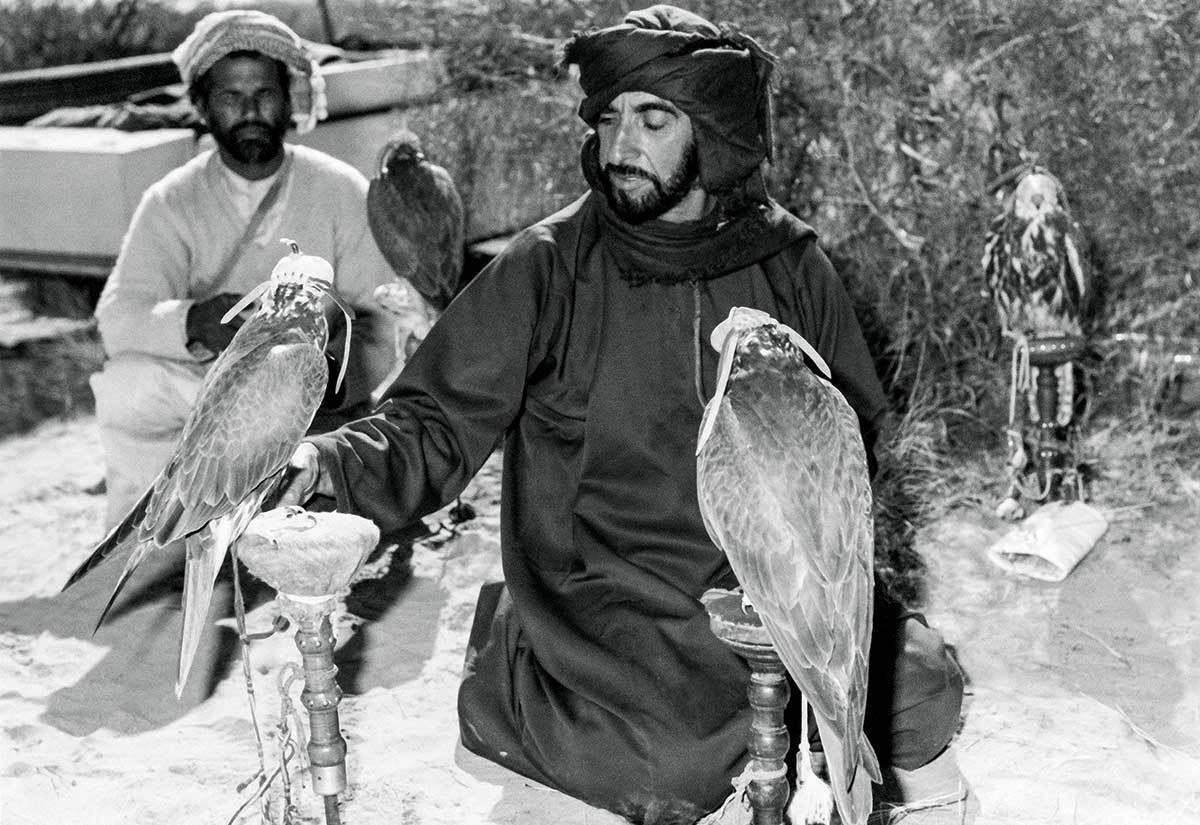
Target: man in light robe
{"points": [[210, 230]]}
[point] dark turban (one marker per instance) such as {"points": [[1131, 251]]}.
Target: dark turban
{"points": [[718, 77]]}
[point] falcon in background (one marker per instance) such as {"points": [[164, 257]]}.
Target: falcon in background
{"points": [[416, 216], [1032, 263], [781, 474], [257, 402], [1041, 290]]}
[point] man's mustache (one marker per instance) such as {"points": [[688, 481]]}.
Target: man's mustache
{"points": [[252, 127], [631, 171]]}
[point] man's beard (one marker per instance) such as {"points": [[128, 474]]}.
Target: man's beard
{"points": [[256, 142], [664, 196]]}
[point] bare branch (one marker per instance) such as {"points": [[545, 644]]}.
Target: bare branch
{"points": [[913, 243]]}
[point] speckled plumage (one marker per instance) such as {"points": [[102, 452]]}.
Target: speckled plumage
{"points": [[1032, 263], [784, 491], [257, 402]]}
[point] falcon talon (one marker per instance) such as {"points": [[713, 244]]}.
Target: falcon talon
{"points": [[296, 511]]}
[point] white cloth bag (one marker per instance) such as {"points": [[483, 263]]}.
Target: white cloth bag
{"points": [[1048, 544]]}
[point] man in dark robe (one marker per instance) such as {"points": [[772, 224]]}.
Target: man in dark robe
{"points": [[582, 348]]}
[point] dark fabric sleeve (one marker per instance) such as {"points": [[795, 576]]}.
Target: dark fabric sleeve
{"points": [[455, 399], [829, 316], [915, 694]]}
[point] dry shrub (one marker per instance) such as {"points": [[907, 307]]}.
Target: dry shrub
{"points": [[47, 379], [39, 33], [1147, 460], [48, 376], [889, 117]]}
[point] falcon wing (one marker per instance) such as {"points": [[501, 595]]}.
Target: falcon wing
{"points": [[250, 415], [255, 407], [784, 492], [451, 240], [813, 578]]}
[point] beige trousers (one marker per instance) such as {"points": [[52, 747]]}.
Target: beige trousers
{"points": [[142, 403]]}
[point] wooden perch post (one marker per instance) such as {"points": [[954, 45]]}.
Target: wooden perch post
{"points": [[768, 691], [309, 558], [1057, 427]]}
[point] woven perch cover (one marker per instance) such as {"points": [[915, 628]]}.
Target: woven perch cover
{"points": [[306, 554]]}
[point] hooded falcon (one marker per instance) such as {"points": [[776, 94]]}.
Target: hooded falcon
{"points": [[784, 492], [257, 402]]}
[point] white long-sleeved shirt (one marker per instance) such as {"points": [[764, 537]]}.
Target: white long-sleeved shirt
{"points": [[188, 222]]}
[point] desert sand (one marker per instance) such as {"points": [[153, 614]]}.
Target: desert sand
{"points": [[1083, 705]]}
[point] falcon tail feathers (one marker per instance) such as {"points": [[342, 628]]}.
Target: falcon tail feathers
{"points": [[135, 558], [199, 576], [116, 537], [869, 761], [855, 799], [206, 551]]}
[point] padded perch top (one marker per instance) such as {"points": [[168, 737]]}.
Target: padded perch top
{"points": [[732, 619], [306, 554]]}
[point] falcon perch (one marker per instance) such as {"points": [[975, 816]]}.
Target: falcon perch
{"points": [[257, 402], [784, 492], [1042, 292]]}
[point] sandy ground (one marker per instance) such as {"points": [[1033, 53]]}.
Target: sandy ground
{"points": [[1084, 701]]}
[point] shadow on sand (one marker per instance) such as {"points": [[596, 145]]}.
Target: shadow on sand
{"points": [[131, 689]]}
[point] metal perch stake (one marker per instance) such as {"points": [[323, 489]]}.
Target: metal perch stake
{"points": [[309, 558]]}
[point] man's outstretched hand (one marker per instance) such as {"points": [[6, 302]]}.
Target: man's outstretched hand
{"points": [[304, 478]]}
